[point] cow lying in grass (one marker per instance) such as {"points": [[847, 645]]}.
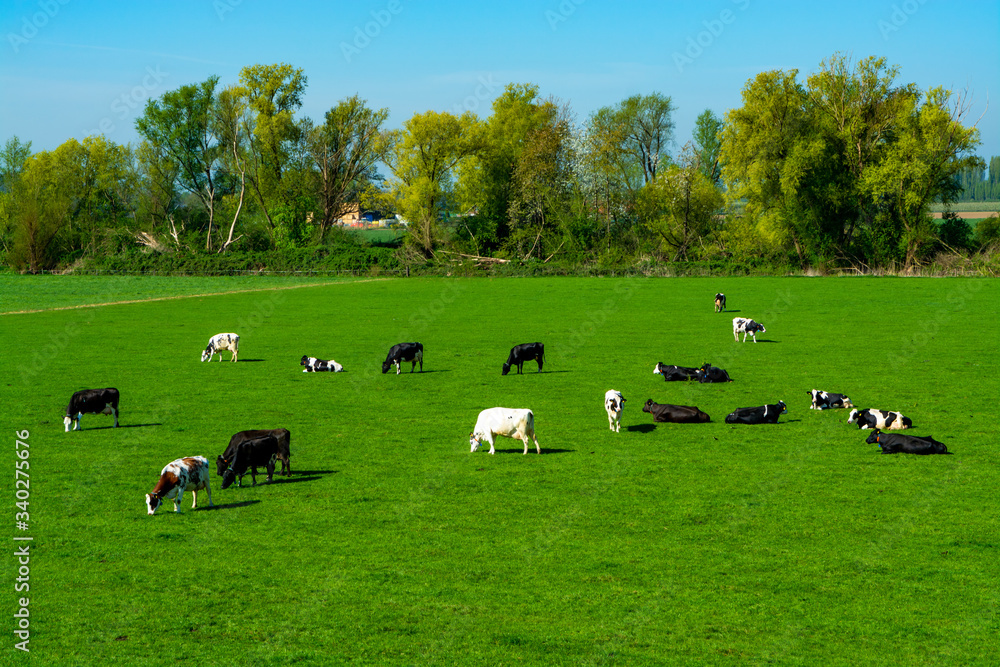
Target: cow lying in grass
{"points": [[314, 365], [710, 373], [822, 400], [881, 419], [507, 422], [614, 403], [675, 414], [765, 414], [675, 373], [176, 477], [898, 443]]}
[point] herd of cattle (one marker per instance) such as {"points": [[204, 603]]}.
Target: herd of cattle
{"points": [[249, 450]]}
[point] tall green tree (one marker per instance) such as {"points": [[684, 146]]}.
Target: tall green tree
{"points": [[708, 145], [13, 160], [179, 127], [345, 151], [633, 137], [423, 160]]}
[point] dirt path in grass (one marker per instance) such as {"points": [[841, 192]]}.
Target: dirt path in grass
{"points": [[190, 296]]}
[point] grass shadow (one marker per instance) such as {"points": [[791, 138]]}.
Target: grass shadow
{"points": [[229, 506], [641, 428]]}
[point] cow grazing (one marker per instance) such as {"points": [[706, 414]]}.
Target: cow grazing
{"points": [[91, 402], [508, 422], [251, 454], [284, 448], [720, 302], [220, 342], [742, 325], [765, 414], [898, 443], [881, 419], [823, 400], [175, 478], [675, 414], [710, 373], [314, 365], [614, 403], [522, 353], [412, 352], [675, 373]]}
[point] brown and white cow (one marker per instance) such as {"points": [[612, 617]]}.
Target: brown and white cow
{"points": [[175, 478]]}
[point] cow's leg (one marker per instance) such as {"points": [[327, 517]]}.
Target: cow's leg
{"points": [[114, 411], [177, 499], [525, 439], [538, 448], [236, 352], [397, 366], [270, 470], [208, 488], [194, 498], [490, 439]]}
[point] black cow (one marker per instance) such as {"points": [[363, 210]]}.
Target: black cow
{"points": [[675, 373], [765, 414], [91, 402], [251, 454], [897, 443], [720, 302], [412, 352], [284, 448], [824, 400], [710, 373], [676, 414], [522, 353], [881, 419]]}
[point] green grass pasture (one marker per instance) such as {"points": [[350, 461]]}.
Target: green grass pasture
{"points": [[707, 544]]}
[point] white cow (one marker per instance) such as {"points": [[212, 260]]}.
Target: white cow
{"points": [[220, 342], [508, 422], [614, 404]]}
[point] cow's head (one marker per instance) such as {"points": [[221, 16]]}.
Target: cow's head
{"points": [[305, 361], [853, 417], [784, 410], [474, 442], [67, 420], [228, 477], [649, 403], [386, 365], [206, 353], [873, 437], [220, 465], [506, 368], [153, 502], [657, 368]]}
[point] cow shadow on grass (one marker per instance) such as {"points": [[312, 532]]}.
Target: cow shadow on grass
{"points": [[300, 477], [641, 428], [249, 361], [102, 428], [767, 340], [229, 506], [531, 450]]}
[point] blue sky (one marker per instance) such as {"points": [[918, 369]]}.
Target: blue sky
{"points": [[70, 68]]}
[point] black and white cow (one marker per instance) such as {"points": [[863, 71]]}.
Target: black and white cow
{"points": [[824, 400], [283, 435], [314, 365], [765, 414], [91, 402], [881, 419], [675, 414], [412, 352], [522, 353], [898, 443], [675, 373], [742, 325], [710, 373], [614, 403], [178, 476], [220, 342], [252, 454], [720, 302]]}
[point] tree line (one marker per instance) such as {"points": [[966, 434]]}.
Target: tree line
{"points": [[838, 169]]}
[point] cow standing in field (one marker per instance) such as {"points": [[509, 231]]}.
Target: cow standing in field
{"points": [[614, 403], [176, 477], [823, 400], [522, 353], [91, 402], [675, 373], [675, 414], [252, 454], [314, 365], [742, 325], [880, 419], [720, 302], [898, 443], [765, 414], [507, 422], [220, 342], [283, 436], [412, 352]]}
